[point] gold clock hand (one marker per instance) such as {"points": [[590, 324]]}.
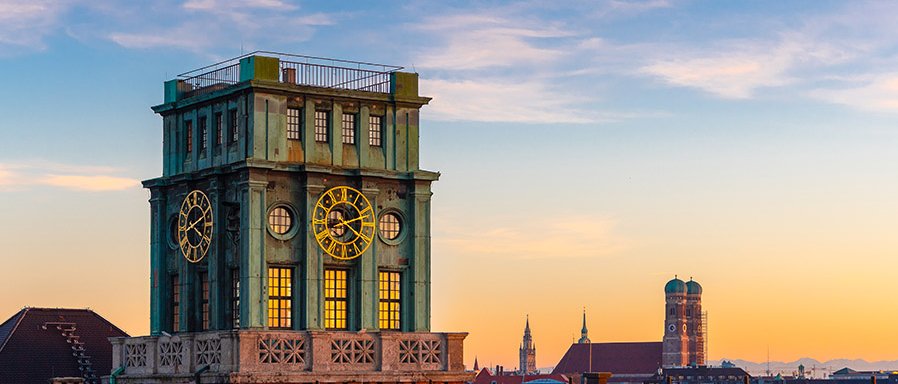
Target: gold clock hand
{"points": [[344, 222], [193, 225]]}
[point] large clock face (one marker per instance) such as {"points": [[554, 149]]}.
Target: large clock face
{"points": [[343, 222], [195, 226]]}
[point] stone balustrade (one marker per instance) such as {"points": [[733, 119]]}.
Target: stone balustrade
{"points": [[250, 351]]}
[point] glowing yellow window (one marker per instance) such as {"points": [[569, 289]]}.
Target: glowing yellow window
{"points": [[280, 297], [335, 299], [390, 300]]}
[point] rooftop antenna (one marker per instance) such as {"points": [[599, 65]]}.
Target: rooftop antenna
{"points": [[768, 359]]}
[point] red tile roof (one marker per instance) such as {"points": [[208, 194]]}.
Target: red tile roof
{"points": [[485, 377], [33, 349], [617, 358]]}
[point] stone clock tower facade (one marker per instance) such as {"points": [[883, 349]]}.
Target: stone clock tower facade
{"points": [[290, 230]]}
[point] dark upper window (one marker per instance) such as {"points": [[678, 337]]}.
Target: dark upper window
{"points": [[280, 297], [188, 128], [390, 298], [204, 133], [335, 298], [232, 120], [348, 128], [321, 124], [218, 129], [375, 130], [204, 299], [175, 304], [293, 123]]}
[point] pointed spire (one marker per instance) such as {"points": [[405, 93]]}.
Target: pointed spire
{"points": [[527, 325], [476, 365], [584, 333]]}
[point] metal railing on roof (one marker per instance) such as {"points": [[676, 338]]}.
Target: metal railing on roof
{"points": [[294, 69]]}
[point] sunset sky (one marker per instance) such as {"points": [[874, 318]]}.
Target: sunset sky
{"points": [[589, 152]]}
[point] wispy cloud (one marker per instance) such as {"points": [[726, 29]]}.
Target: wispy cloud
{"points": [[548, 237], [737, 68], [25, 24], [877, 93], [21, 176]]}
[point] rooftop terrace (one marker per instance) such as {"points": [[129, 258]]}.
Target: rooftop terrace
{"points": [[293, 69]]}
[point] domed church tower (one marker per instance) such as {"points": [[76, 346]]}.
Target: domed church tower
{"points": [[695, 329], [676, 339]]}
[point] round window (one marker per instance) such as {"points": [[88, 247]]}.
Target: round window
{"points": [[390, 226], [280, 220]]}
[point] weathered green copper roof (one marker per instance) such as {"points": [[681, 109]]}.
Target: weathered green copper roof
{"points": [[675, 286], [693, 288]]}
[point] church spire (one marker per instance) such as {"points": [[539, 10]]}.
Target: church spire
{"points": [[584, 333], [527, 326]]}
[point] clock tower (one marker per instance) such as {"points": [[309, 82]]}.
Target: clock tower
{"points": [[675, 344], [290, 229]]}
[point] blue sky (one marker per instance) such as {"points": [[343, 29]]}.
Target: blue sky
{"points": [[584, 147]]}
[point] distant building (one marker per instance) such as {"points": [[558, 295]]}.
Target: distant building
{"points": [[527, 352], [684, 331], [628, 362], [39, 344], [703, 375], [850, 374], [484, 376]]}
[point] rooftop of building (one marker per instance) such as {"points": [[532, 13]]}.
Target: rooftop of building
{"points": [[292, 68], [37, 344], [617, 358]]}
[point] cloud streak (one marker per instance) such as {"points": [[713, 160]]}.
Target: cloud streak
{"points": [[24, 176]]}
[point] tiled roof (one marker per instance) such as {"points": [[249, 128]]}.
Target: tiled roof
{"points": [[485, 377], [35, 349], [617, 358], [705, 371]]}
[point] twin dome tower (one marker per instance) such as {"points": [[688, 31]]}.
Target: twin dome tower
{"points": [[684, 324]]}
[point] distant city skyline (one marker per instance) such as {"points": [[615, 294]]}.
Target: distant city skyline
{"points": [[588, 153]]}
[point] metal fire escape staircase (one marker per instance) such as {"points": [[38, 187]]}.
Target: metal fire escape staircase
{"points": [[84, 365]]}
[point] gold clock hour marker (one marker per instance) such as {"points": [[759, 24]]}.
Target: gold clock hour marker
{"points": [[344, 222]]}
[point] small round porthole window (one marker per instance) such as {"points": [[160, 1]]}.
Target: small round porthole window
{"points": [[281, 221], [390, 226], [173, 232]]}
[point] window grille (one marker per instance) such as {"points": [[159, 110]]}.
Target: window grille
{"points": [[321, 124], [234, 124], [335, 298], [218, 129], [204, 134], [175, 304], [293, 123], [348, 128], [390, 300], [204, 299], [280, 298], [189, 135], [375, 130], [235, 298]]}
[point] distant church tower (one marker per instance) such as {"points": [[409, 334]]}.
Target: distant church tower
{"points": [[695, 329], [676, 338], [584, 333], [528, 351]]}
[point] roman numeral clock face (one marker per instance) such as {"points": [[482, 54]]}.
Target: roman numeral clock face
{"points": [[195, 226], [343, 223]]}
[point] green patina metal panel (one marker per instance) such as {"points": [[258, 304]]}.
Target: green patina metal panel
{"points": [[259, 68]]}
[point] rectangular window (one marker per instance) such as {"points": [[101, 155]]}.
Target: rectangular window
{"points": [[375, 130], [189, 135], [348, 128], [175, 304], [232, 120], [280, 298], [235, 298], [204, 299], [321, 125], [389, 300], [204, 134], [293, 123], [219, 134], [335, 299]]}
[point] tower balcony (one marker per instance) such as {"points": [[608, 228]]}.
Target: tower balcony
{"points": [[294, 356]]}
